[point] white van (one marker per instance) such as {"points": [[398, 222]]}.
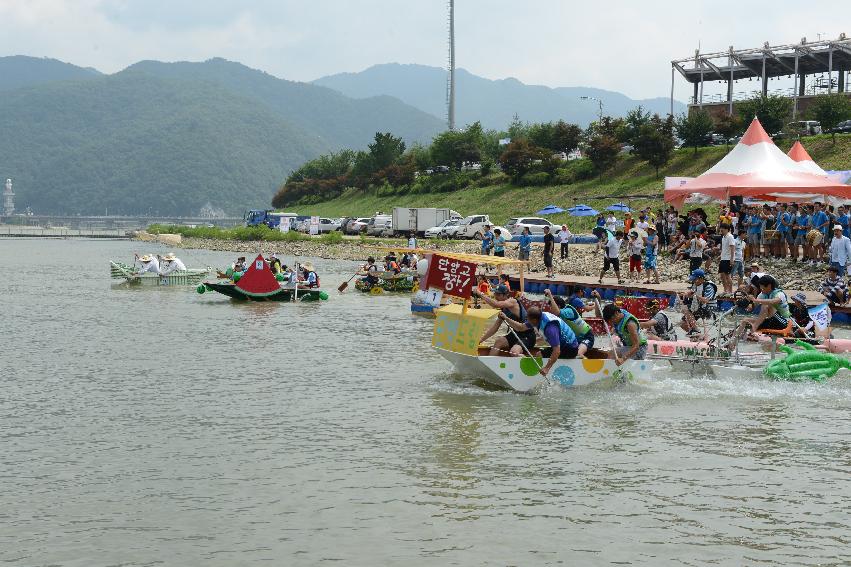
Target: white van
{"points": [[472, 226]]}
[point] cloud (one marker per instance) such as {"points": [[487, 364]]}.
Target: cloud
{"points": [[619, 44]]}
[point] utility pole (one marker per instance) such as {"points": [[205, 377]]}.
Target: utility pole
{"points": [[451, 97]]}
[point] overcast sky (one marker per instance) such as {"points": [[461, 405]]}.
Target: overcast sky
{"points": [[621, 45]]}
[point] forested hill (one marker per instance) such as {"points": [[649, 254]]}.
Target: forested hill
{"points": [[343, 122], [492, 102], [133, 143], [172, 137], [22, 71]]}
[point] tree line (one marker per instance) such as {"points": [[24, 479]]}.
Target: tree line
{"points": [[530, 154]]}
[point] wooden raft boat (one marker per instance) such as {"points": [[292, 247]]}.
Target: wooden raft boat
{"points": [[258, 283], [456, 338], [118, 270]]}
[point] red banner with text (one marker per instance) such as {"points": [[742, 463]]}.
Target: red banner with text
{"points": [[454, 277]]}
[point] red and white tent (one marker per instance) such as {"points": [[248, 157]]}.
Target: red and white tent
{"points": [[799, 154], [758, 168]]}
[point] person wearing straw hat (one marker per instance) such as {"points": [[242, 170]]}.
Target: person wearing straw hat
{"points": [[150, 263], [801, 315], [840, 250], [172, 264], [309, 276]]}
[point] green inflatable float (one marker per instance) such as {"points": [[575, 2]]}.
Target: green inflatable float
{"points": [[806, 364]]}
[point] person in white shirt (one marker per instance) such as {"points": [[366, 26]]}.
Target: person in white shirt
{"points": [[739, 257], [612, 256], [840, 251], [149, 264], [412, 241], [172, 264], [611, 222], [725, 262], [642, 223], [695, 252], [564, 237]]}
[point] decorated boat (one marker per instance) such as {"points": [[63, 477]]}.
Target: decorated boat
{"points": [[635, 305], [119, 270], [258, 283], [456, 338], [405, 282]]}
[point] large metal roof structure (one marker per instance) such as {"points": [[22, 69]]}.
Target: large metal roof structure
{"points": [[832, 56]]}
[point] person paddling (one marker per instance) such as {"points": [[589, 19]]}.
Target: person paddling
{"points": [[626, 326], [562, 341], [512, 309], [571, 313]]}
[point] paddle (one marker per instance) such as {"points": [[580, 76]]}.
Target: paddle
{"points": [[526, 350], [345, 284], [606, 325]]}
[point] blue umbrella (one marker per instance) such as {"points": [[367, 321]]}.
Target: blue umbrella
{"points": [[620, 207], [550, 210], [582, 211]]}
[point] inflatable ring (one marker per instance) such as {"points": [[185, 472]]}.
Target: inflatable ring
{"points": [[376, 290]]}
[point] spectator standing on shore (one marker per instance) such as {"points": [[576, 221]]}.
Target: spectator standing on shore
{"points": [[525, 244], [725, 262], [498, 244], [800, 226], [843, 220], [695, 251], [739, 257], [487, 240], [549, 248], [611, 222], [636, 246], [564, 238], [612, 256], [820, 222], [651, 251], [840, 251], [628, 223]]}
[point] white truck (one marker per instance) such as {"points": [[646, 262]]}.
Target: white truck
{"points": [[419, 220]]}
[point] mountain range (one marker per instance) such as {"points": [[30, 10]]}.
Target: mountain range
{"points": [[171, 137], [493, 102]]}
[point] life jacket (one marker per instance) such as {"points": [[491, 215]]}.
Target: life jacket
{"points": [[307, 276], [665, 332], [711, 304], [565, 332], [510, 314], [392, 266], [576, 323], [782, 307], [622, 332]]}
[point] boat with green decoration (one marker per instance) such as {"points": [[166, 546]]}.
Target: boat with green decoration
{"points": [[258, 283], [131, 275]]}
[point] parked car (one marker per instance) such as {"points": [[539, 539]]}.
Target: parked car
{"points": [[842, 128], [439, 231], [381, 225], [357, 226], [472, 226], [534, 224], [344, 223], [325, 225], [800, 128]]}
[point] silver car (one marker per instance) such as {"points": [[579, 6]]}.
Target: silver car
{"points": [[534, 224], [440, 230]]}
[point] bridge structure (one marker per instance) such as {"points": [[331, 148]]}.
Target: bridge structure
{"points": [[125, 223]]}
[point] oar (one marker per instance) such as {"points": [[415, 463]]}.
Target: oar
{"points": [[345, 284], [605, 323], [526, 350]]}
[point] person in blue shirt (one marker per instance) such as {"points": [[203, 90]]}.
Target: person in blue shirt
{"points": [[819, 221], [487, 240], [802, 223], [843, 220], [754, 232], [785, 227], [525, 242], [559, 336], [498, 243]]}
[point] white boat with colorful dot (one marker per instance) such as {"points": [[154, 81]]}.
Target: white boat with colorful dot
{"points": [[456, 338]]}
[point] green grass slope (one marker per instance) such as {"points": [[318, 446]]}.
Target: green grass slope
{"points": [[630, 180], [133, 143]]}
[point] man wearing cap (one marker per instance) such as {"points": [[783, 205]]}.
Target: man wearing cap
{"points": [[658, 327], [172, 264], [700, 300], [651, 250], [840, 250], [150, 263], [571, 313], [512, 309], [834, 288]]}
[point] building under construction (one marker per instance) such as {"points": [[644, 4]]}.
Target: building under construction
{"points": [[800, 71]]}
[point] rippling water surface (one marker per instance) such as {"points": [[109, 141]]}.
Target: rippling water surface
{"points": [[163, 427]]}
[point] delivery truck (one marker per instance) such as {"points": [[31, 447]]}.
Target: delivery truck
{"points": [[418, 220]]}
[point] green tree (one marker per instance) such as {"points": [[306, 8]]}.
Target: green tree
{"points": [[519, 157], [729, 126], [773, 111], [654, 142], [693, 128], [385, 150], [602, 150], [633, 124], [830, 110], [518, 129], [456, 148], [566, 137]]}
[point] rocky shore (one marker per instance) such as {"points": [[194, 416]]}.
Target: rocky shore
{"points": [[583, 260]]}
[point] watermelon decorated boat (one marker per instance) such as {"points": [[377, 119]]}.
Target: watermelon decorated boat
{"points": [[258, 283]]}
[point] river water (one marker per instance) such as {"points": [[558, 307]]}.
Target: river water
{"points": [[163, 427]]}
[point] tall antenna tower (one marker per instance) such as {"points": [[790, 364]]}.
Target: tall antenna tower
{"points": [[450, 86]]}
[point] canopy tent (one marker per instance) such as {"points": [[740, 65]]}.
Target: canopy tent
{"points": [[619, 207], [800, 155], [758, 168], [582, 211], [550, 210]]}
